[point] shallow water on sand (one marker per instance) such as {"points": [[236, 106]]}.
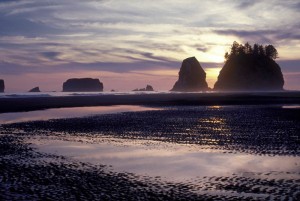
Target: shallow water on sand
{"points": [[170, 161], [58, 113], [217, 152]]}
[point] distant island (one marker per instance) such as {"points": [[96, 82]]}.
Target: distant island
{"points": [[250, 68], [191, 77], [35, 89], [82, 85], [148, 88]]}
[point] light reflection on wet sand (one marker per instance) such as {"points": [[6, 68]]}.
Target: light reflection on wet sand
{"points": [[173, 162], [59, 113], [291, 106]]}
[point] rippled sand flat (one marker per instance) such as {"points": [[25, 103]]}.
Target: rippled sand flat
{"points": [[170, 153]]}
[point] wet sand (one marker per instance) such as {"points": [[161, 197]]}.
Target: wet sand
{"points": [[59, 113], [29, 173], [15, 104]]}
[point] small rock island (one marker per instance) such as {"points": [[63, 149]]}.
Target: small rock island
{"points": [[191, 77], [148, 88], [2, 86], [82, 85], [35, 89], [250, 68]]}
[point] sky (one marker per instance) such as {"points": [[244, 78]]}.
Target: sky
{"points": [[129, 44]]}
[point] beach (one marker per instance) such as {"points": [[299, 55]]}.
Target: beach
{"points": [[15, 103], [155, 152]]}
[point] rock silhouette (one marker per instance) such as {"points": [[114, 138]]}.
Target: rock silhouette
{"points": [[2, 86], [250, 69], [148, 88], [82, 85], [191, 76], [35, 89]]}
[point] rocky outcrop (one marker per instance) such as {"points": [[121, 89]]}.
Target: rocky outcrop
{"points": [[2, 86], [148, 88], [248, 73], [82, 85], [191, 77], [35, 89], [250, 68]]}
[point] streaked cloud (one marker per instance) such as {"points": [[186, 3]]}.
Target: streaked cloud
{"points": [[119, 36]]}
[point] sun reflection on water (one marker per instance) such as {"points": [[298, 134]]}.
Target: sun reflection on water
{"points": [[215, 107], [215, 125]]}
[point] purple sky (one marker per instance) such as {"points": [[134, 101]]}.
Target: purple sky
{"points": [[129, 44]]}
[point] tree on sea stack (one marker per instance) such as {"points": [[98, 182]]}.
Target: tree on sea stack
{"points": [[250, 68]]}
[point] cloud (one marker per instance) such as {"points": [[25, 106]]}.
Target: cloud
{"points": [[289, 65], [14, 69], [245, 4], [202, 49], [288, 35], [119, 36], [17, 25], [11, 68], [8, 1], [261, 36], [51, 55], [254, 36]]}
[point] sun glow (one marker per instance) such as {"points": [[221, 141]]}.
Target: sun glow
{"points": [[173, 73], [212, 75]]}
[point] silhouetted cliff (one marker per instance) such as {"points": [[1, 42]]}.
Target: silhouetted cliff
{"points": [[82, 85], [250, 68], [2, 86], [191, 76]]}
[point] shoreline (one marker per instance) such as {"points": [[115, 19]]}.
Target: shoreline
{"points": [[105, 157], [18, 104]]}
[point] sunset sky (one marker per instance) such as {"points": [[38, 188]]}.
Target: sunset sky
{"points": [[129, 44]]}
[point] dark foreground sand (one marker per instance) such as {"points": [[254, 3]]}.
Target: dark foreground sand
{"points": [[14, 104], [27, 174]]}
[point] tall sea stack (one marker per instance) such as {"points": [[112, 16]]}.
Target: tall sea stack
{"points": [[2, 86], [191, 77], [250, 68], [82, 85]]}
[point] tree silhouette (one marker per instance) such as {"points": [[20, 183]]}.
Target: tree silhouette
{"points": [[226, 56], [271, 52], [248, 48], [268, 51], [261, 51], [234, 48], [255, 50], [241, 50]]}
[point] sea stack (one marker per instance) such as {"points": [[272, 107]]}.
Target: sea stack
{"points": [[82, 85], [2, 86], [250, 68], [148, 88], [191, 77], [35, 89]]}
